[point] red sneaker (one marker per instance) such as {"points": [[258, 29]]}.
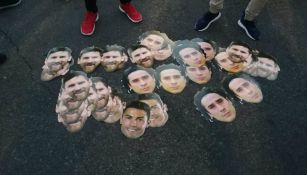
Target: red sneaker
{"points": [[88, 24], [131, 12]]}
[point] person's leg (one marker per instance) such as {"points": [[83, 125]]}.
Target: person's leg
{"points": [[215, 6], [91, 16], [253, 9], [9, 3], [91, 5], [247, 21], [124, 1], [131, 12]]}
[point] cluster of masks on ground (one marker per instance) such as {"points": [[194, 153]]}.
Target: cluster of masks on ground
{"points": [[81, 96]]}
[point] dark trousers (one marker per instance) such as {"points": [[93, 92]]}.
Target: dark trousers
{"points": [[92, 6]]}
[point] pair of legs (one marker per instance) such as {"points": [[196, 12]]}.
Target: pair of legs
{"points": [[252, 10], [91, 5], [91, 16], [246, 22]]}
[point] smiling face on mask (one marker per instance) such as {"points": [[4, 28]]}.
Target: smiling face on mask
{"points": [[134, 122], [143, 57], [89, 61], [56, 61], [77, 87], [113, 60]]}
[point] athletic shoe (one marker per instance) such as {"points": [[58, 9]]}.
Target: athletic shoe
{"points": [[131, 12], [205, 22], [88, 24]]}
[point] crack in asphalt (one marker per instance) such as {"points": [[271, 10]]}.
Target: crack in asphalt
{"points": [[18, 52], [26, 62]]}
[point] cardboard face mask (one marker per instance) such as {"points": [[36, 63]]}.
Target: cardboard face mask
{"points": [[215, 105], [114, 58], [199, 75], [267, 68], [158, 110], [141, 55], [246, 90], [171, 78], [209, 47], [226, 64], [134, 120], [74, 120], [103, 92], [159, 44], [189, 53], [238, 51], [90, 58], [92, 99], [139, 80], [115, 108], [77, 87], [57, 63], [243, 88]]}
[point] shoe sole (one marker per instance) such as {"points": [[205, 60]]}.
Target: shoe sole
{"points": [[128, 15], [88, 34], [12, 5], [216, 18], [245, 29]]}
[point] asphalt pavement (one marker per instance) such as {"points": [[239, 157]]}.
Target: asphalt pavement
{"points": [[265, 138]]}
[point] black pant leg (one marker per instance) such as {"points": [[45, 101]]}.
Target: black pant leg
{"points": [[124, 1], [91, 5]]}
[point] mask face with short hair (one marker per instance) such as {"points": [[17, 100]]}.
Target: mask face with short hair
{"points": [[237, 53], [267, 68], [199, 75], [77, 87], [57, 60], [225, 63], [74, 120], [141, 82], [218, 107], [89, 61], [103, 94], [56, 64], [246, 90], [158, 113], [134, 122], [172, 81], [153, 42], [113, 60], [192, 57], [208, 49], [143, 57]]}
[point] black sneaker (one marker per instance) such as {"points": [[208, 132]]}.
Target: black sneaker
{"points": [[9, 3], [204, 22], [249, 27]]}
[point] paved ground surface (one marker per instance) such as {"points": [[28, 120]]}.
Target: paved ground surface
{"points": [[268, 138]]}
